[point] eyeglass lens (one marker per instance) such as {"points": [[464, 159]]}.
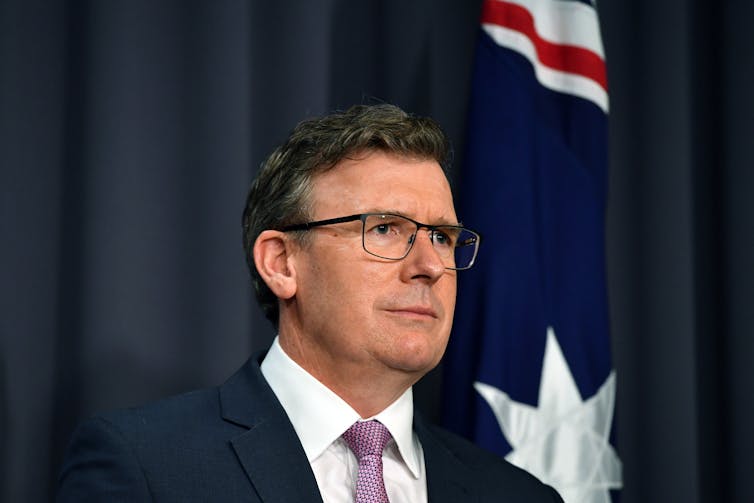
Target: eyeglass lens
{"points": [[392, 236]]}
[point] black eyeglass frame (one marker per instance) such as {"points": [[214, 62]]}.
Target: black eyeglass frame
{"points": [[363, 216]]}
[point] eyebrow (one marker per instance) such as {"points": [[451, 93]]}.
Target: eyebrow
{"points": [[442, 221]]}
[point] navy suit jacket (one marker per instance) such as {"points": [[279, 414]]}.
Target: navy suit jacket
{"points": [[235, 443]]}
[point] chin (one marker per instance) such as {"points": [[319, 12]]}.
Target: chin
{"points": [[417, 354]]}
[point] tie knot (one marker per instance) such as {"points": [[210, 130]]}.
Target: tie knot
{"points": [[367, 438]]}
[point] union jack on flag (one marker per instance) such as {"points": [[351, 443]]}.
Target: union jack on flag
{"points": [[528, 372]]}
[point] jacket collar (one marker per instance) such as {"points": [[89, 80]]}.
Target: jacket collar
{"points": [[270, 448], [448, 478], [269, 451]]}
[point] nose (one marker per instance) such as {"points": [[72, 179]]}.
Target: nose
{"points": [[422, 260]]}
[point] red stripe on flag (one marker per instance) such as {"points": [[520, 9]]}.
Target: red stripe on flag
{"points": [[565, 58]]}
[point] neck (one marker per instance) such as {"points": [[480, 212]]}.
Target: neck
{"points": [[367, 388]]}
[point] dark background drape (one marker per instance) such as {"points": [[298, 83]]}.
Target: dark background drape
{"points": [[130, 130]]}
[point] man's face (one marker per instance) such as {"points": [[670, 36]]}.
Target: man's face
{"points": [[359, 312]]}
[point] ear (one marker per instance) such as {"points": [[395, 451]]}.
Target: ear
{"points": [[272, 254]]}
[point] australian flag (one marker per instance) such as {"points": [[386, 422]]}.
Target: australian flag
{"points": [[528, 372]]}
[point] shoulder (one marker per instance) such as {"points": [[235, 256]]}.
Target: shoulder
{"points": [[194, 418], [182, 448], [196, 410], [168, 423], [112, 456], [491, 475]]}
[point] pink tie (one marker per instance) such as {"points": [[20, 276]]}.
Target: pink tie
{"points": [[367, 439]]}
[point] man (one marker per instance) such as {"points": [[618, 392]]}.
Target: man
{"points": [[354, 249]]}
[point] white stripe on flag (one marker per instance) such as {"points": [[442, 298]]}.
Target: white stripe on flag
{"points": [[556, 80], [565, 22]]}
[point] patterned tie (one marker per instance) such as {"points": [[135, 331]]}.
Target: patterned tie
{"points": [[367, 439]]}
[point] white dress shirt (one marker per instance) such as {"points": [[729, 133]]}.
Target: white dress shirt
{"points": [[320, 417]]}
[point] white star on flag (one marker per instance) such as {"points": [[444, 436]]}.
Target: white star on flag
{"points": [[565, 440]]}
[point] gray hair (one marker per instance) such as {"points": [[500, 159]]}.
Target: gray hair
{"points": [[280, 194]]}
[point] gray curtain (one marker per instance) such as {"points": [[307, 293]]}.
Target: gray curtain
{"points": [[681, 242], [129, 131]]}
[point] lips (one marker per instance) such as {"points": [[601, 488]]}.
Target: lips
{"points": [[419, 311]]}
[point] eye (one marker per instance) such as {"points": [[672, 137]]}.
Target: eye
{"points": [[384, 225], [443, 238], [382, 228]]}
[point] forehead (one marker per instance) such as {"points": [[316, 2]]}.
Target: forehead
{"points": [[378, 181]]}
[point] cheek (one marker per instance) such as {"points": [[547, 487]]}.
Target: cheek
{"points": [[447, 294], [352, 290]]}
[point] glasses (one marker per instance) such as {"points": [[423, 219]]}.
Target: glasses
{"points": [[391, 237]]}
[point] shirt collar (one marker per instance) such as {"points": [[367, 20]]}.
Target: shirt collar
{"points": [[398, 417], [320, 417]]}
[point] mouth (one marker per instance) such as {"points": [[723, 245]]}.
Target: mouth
{"points": [[414, 312]]}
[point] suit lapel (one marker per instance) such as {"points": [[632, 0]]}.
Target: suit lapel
{"points": [[269, 452], [448, 480], [274, 460]]}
